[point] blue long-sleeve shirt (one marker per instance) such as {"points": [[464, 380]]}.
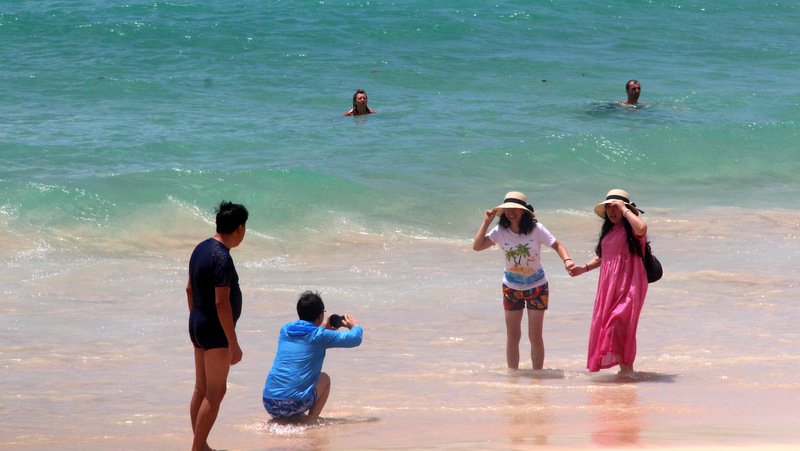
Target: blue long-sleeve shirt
{"points": [[301, 352]]}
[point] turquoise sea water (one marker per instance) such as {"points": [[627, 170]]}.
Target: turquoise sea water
{"points": [[122, 125], [110, 109]]}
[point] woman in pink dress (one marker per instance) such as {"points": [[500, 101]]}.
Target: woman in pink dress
{"points": [[622, 286]]}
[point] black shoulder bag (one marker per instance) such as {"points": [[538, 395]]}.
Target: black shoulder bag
{"points": [[651, 265]]}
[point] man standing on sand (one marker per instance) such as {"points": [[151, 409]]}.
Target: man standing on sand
{"points": [[215, 303], [633, 89]]}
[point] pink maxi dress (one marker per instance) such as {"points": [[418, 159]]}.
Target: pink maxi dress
{"points": [[620, 296]]}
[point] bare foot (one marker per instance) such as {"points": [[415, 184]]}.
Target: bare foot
{"points": [[310, 421], [625, 371]]}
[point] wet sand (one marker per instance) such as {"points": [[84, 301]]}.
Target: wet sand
{"points": [[716, 367]]}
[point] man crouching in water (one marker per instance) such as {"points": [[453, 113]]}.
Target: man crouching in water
{"points": [[296, 383]]}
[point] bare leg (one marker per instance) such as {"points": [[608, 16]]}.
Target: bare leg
{"points": [[625, 370], [535, 321], [513, 336], [199, 385], [217, 365], [323, 390]]}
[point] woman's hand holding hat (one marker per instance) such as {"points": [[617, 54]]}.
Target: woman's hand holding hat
{"points": [[623, 206], [619, 204]]}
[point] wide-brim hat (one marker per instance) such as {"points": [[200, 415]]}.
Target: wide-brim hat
{"points": [[514, 199], [615, 194]]}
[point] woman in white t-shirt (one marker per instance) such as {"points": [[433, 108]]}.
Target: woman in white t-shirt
{"points": [[520, 236]]}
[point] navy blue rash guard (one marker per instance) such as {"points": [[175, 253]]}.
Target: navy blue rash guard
{"points": [[211, 266]]}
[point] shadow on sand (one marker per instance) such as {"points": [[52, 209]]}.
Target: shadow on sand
{"points": [[297, 426], [543, 374], [635, 377]]}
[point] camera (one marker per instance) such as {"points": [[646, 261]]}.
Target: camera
{"points": [[335, 321]]}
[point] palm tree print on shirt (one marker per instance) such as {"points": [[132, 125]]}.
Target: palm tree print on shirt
{"points": [[516, 255]]}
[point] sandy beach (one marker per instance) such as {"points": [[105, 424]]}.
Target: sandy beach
{"points": [[431, 372]]}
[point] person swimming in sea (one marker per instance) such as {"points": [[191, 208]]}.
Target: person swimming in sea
{"points": [[359, 105], [633, 89]]}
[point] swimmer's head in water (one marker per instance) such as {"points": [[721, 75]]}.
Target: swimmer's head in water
{"points": [[633, 89], [360, 98]]}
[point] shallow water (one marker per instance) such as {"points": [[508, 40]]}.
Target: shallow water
{"points": [[716, 362]]}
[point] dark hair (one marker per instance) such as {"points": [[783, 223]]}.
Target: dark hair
{"points": [[634, 245], [355, 109], [526, 223], [310, 306], [230, 216], [628, 84]]}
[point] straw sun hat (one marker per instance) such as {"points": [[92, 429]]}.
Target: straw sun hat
{"points": [[615, 194], [514, 199]]}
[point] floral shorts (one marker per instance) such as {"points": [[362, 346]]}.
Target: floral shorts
{"points": [[535, 298], [287, 408]]}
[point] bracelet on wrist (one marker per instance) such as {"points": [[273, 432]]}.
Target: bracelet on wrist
{"points": [[587, 267]]}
